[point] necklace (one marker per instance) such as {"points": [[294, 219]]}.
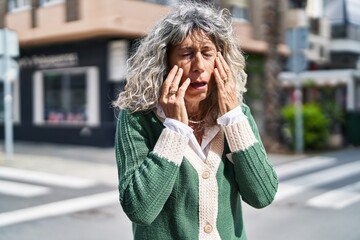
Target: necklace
{"points": [[198, 127], [196, 122]]}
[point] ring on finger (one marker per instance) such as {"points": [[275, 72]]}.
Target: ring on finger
{"points": [[172, 92], [225, 80]]}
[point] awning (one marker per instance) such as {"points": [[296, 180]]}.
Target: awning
{"points": [[318, 78]]}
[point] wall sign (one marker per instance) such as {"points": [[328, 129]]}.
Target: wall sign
{"points": [[49, 61]]}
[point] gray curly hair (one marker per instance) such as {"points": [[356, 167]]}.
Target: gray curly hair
{"points": [[148, 66]]}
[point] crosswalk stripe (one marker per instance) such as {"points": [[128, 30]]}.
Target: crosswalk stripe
{"points": [[300, 166], [21, 189], [338, 198], [59, 208], [300, 184], [45, 178]]}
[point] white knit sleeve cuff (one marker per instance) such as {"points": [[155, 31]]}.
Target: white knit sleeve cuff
{"points": [[240, 135], [171, 145]]}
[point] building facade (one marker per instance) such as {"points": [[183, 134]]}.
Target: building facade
{"points": [[332, 77], [72, 61]]}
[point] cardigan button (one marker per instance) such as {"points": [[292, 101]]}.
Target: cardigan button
{"points": [[208, 228], [205, 175]]}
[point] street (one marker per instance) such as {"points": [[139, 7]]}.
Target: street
{"points": [[318, 199], [67, 192]]}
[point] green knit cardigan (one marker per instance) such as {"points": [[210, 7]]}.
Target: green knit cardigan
{"points": [[168, 192]]}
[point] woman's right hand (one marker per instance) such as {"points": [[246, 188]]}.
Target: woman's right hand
{"points": [[172, 96]]}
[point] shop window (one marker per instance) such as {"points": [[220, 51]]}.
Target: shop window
{"points": [[66, 97], [15, 5]]}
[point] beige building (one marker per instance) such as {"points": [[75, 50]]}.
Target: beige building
{"points": [[72, 60]]}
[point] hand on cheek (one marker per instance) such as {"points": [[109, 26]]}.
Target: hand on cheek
{"points": [[172, 95], [227, 95]]}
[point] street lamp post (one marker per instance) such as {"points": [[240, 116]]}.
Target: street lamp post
{"points": [[9, 49], [297, 42]]}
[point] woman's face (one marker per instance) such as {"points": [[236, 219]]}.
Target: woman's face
{"points": [[196, 56]]}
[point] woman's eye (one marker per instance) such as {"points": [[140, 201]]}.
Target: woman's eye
{"points": [[186, 54], [207, 54]]}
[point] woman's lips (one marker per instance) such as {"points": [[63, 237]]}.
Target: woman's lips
{"points": [[198, 85]]}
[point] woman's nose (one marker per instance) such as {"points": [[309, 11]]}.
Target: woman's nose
{"points": [[198, 63]]}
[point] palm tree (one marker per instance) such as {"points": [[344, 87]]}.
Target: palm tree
{"points": [[3, 9], [272, 35]]}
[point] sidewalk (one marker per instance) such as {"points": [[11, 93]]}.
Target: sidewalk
{"points": [[77, 161]]}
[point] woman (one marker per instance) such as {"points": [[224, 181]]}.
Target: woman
{"points": [[187, 148]]}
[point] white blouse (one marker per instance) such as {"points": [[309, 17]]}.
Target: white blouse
{"points": [[231, 117]]}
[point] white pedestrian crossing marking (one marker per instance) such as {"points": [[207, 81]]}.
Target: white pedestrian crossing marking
{"points": [[21, 189], [338, 198], [59, 208], [45, 178], [301, 166], [303, 183]]}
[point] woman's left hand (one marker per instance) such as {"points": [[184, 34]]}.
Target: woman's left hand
{"points": [[227, 95]]}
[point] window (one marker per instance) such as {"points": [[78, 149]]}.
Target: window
{"points": [[67, 97], [315, 26], [357, 95], [338, 31], [14, 5], [322, 51], [163, 2], [49, 2], [64, 97], [72, 10], [297, 3], [353, 32], [240, 12], [2, 103]]}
